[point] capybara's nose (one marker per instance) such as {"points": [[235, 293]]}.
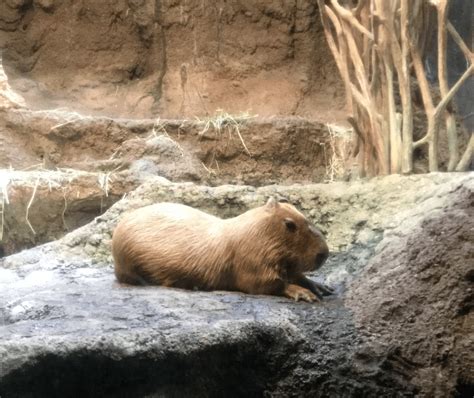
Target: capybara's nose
{"points": [[321, 258]]}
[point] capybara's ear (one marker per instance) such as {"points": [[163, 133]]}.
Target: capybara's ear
{"points": [[272, 203], [290, 225]]}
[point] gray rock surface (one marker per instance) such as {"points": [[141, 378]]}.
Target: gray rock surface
{"points": [[417, 295], [68, 329]]}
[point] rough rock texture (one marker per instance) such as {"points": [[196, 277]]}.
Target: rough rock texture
{"points": [[283, 150], [9, 99], [417, 296], [134, 58], [68, 328], [41, 206]]}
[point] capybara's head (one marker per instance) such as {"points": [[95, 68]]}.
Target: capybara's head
{"points": [[304, 246]]}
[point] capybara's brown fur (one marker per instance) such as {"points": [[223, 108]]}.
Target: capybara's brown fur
{"points": [[263, 251]]}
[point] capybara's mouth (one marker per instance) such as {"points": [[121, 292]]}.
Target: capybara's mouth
{"points": [[321, 259]]}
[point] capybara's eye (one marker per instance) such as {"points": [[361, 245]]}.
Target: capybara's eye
{"points": [[290, 225]]}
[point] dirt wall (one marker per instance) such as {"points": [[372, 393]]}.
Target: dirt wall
{"points": [[143, 58]]}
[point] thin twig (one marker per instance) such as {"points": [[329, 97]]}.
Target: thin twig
{"points": [[460, 42], [63, 214], [29, 205], [349, 17]]}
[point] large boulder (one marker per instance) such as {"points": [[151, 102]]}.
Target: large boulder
{"points": [[417, 295], [69, 329]]}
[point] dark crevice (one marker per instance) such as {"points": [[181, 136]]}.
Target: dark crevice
{"points": [[240, 369], [464, 390]]}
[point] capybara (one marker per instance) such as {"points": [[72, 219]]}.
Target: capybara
{"points": [[265, 250]]}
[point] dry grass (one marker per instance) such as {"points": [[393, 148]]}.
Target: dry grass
{"points": [[29, 205], [65, 115], [223, 121], [159, 130], [336, 151], [104, 180], [60, 179], [210, 170], [5, 178]]}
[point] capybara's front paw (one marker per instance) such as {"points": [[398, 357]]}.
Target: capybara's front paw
{"points": [[321, 290], [300, 293]]}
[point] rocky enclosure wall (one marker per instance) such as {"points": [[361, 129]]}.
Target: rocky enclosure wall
{"points": [[401, 321], [400, 325]]}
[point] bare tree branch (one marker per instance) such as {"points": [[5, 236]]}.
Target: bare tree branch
{"points": [[449, 96], [375, 44], [467, 158], [460, 42], [349, 17]]}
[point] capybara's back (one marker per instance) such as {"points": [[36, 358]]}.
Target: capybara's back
{"points": [[161, 244], [264, 250]]}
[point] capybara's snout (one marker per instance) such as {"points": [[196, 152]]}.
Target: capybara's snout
{"points": [[321, 256], [321, 259]]}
